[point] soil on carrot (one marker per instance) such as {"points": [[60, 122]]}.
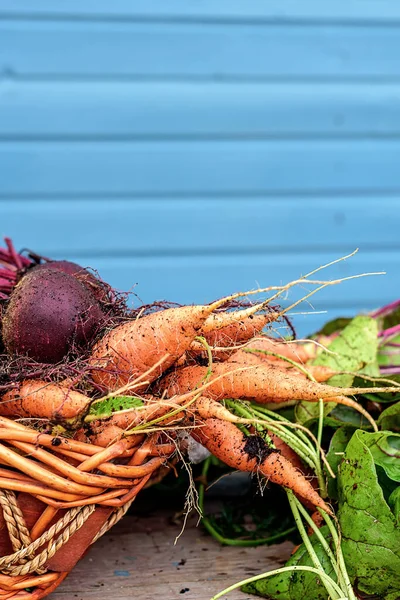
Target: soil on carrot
{"points": [[256, 447]]}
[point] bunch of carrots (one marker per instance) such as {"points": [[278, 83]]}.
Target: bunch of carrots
{"points": [[172, 369]]}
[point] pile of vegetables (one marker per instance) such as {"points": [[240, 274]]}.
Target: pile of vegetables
{"points": [[76, 358], [356, 551]]}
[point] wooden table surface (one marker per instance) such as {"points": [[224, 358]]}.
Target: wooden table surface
{"points": [[139, 560]]}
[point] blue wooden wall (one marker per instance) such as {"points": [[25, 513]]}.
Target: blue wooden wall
{"points": [[197, 147]]}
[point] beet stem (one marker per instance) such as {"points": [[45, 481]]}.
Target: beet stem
{"points": [[385, 310], [390, 331], [13, 253]]}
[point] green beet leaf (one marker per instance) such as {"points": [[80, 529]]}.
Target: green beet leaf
{"points": [[394, 503], [115, 403], [338, 417], [390, 320], [296, 585], [385, 449], [369, 526], [334, 326], [355, 349], [335, 454], [389, 419], [370, 532], [381, 397]]}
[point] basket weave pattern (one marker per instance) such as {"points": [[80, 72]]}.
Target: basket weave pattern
{"points": [[58, 496]]}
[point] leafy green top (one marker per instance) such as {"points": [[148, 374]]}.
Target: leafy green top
{"points": [[113, 404]]}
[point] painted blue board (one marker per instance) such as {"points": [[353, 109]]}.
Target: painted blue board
{"points": [[199, 167], [202, 50], [203, 226], [275, 10], [196, 109]]}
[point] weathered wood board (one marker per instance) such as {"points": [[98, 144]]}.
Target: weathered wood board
{"points": [[139, 560]]}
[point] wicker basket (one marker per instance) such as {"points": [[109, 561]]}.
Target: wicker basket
{"points": [[58, 496]]}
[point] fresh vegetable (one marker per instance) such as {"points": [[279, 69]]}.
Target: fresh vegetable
{"points": [[262, 383], [272, 349], [368, 538], [369, 527], [44, 400], [14, 267], [135, 347], [352, 350], [129, 418], [207, 408], [389, 419], [211, 371], [234, 334], [359, 555], [225, 326], [131, 349], [252, 453], [100, 434], [257, 357], [49, 314]]}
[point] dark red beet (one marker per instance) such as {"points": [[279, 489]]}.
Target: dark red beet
{"points": [[62, 265], [49, 313], [98, 288], [14, 266]]}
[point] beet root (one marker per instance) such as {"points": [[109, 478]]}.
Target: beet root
{"points": [[49, 313], [14, 267]]}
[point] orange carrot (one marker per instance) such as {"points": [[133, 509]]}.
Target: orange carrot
{"points": [[229, 336], [131, 349], [237, 332], [206, 408], [217, 321], [247, 358], [300, 353], [43, 400], [103, 431], [100, 433], [126, 419], [318, 372], [287, 451], [251, 453], [262, 383]]}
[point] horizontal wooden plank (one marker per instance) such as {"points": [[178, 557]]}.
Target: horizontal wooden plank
{"points": [[381, 10], [100, 49], [176, 109], [139, 559], [205, 167], [202, 226]]}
